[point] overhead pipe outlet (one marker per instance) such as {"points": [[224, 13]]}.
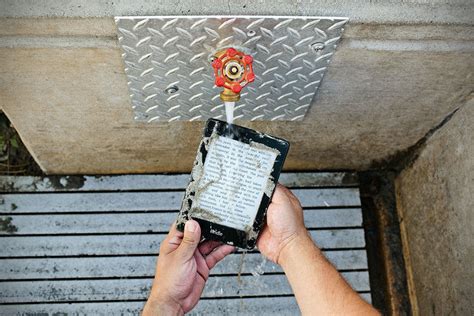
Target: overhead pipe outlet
{"points": [[233, 71]]}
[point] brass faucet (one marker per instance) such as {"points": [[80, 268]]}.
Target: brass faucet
{"points": [[233, 71]]}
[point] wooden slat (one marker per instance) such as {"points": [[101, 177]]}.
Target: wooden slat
{"points": [[241, 306], [144, 201], [151, 222], [138, 244], [134, 289], [154, 182], [144, 266]]}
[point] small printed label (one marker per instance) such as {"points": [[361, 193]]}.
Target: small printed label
{"points": [[216, 232]]}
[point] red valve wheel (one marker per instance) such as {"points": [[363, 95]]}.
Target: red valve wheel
{"points": [[231, 52], [247, 59], [233, 70], [236, 88], [220, 82], [217, 63]]}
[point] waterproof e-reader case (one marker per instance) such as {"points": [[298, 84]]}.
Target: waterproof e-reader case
{"points": [[232, 183]]}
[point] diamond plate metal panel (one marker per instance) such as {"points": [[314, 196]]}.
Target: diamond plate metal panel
{"points": [[167, 63]]}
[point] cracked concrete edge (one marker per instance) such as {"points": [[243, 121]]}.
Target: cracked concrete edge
{"points": [[359, 31], [383, 11]]}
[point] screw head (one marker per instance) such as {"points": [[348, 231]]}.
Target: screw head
{"points": [[318, 46], [251, 33], [172, 89]]}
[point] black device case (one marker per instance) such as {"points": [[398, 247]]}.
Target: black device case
{"points": [[214, 231]]}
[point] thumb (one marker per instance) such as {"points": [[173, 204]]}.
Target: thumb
{"points": [[191, 238]]}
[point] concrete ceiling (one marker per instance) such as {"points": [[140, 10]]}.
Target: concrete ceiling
{"points": [[63, 87]]}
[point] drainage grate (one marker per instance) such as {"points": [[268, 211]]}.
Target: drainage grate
{"points": [[88, 245], [167, 62]]}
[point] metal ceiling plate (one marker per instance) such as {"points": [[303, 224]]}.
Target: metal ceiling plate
{"points": [[167, 63]]}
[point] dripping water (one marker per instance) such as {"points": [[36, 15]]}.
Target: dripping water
{"points": [[229, 111]]}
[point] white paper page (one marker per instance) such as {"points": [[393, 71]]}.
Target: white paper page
{"points": [[234, 179]]}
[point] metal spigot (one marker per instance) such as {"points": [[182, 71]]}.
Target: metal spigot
{"points": [[233, 71]]}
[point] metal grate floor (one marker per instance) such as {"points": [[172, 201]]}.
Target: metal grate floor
{"points": [[88, 245]]}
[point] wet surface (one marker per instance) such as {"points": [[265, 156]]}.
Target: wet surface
{"points": [[263, 144]]}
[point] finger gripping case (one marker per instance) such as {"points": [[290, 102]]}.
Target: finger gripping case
{"points": [[232, 183]]}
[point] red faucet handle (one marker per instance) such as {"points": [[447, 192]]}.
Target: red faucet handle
{"points": [[217, 63], [231, 52], [240, 63]]}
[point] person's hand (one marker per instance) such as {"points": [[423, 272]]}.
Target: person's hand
{"points": [[182, 270], [284, 225], [318, 287]]}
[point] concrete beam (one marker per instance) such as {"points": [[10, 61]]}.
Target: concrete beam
{"points": [[63, 87], [367, 11]]}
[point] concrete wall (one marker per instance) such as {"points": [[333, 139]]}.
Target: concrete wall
{"points": [[62, 83], [436, 205], [372, 11]]}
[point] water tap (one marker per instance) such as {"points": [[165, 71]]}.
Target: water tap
{"points": [[233, 71]]}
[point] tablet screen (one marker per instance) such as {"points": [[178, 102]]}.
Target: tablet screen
{"points": [[235, 177], [232, 182]]}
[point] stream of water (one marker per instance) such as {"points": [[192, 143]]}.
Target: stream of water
{"points": [[229, 111]]}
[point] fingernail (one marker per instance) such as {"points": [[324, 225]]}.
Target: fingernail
{"points": [[190, 226]]}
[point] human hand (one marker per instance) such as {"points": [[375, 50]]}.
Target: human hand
{"points": [[284, 225], [182, 270], [318, 287]]}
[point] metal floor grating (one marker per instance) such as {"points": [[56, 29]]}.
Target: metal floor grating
{"points": [[88, 245]]}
